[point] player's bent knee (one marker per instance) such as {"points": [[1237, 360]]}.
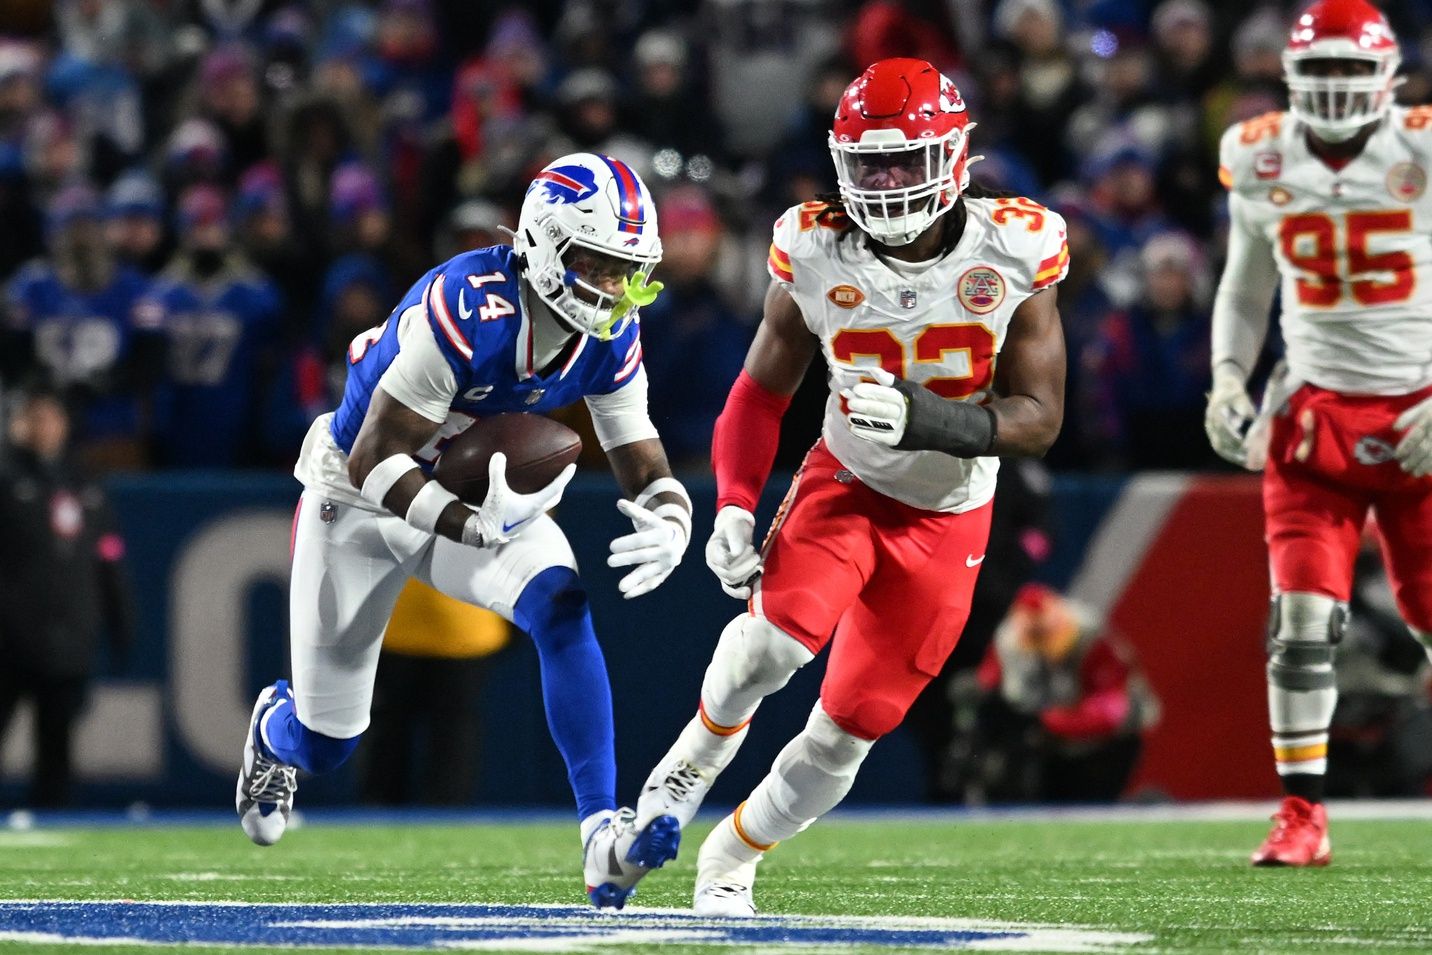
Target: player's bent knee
{"points": [[758, 654], [832, 746], [552, 606], [1303, 629], [867, 719]]}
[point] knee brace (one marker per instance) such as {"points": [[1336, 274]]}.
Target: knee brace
{"points": [[1302, 687], [753, 659], [1303, 628]]}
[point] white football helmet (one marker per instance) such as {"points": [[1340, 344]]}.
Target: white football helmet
{"points": [[587, 229]]}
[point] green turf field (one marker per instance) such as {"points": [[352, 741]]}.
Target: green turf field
{"points": [[1185, 883]]}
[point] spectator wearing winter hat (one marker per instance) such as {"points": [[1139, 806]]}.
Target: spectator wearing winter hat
{"points": [[231, 99], [220, 318], [134, 221], [77, 318], [22, 236], [475, 224], [702, 339], [263, 231], [195, 153], [1151, 360]]}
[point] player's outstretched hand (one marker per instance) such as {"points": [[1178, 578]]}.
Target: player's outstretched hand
{"points": [[1229, 416], [1414, 451], [504, 513], [876, 411], [731, 554], [655, 547]]}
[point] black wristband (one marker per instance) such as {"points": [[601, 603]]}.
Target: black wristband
{"points": [[959, 428]]}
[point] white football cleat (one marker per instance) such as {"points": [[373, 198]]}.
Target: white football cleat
{"points": [[728, 897], [723, 884], [611, 858], [674, 788], [264, 798]]}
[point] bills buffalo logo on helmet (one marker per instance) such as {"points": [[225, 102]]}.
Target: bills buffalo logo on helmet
{"points": [[565, 184], [981, 289]]}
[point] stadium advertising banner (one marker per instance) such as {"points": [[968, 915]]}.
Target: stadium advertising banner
{"points": [[1176, 563]]}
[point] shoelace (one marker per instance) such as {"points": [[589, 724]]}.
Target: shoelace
{"points": [[682, 780], [729, 890], [1286, 821], [274, 783]]}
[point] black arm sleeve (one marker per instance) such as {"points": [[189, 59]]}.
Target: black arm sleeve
{"points": [[962, 429]]}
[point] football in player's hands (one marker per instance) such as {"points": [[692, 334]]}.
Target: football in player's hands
{"points": [[537, 450]]}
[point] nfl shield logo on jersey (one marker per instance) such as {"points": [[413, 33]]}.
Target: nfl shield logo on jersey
{"points": [[327, 512], [907, 298], [981, 289]]}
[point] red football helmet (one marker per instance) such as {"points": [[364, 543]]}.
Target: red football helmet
{"points": [[901, 144], [1335, 107]]}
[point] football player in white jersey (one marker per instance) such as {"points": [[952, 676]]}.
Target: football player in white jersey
{"points": [[910, 291], [1331, 198]]}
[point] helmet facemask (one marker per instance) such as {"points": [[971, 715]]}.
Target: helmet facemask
{"points": [[584, 284], [1335, 107], [894, 188]]}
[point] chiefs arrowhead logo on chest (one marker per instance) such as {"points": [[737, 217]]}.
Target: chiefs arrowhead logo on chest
{"points": [[846, 296], [981, 289]]}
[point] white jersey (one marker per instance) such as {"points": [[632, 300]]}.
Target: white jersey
{"points": [[941, 324], [1353, 248]]}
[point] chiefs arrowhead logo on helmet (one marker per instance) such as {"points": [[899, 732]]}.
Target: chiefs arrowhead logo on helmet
{"points": [[900, 142]]}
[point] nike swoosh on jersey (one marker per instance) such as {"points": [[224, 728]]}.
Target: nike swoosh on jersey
{"points": [[462, 310], [973, 561]]}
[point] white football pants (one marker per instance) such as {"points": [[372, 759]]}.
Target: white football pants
{"points": [[349, 565]]}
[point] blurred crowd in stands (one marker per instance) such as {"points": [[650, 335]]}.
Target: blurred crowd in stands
{"points": [[205, 200]]}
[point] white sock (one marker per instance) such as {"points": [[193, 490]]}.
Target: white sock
{"points": [[710, 751], [809, 778], [590, 824]]}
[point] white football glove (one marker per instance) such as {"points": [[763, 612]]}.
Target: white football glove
{"points": [[1414, 451], [656, 546], [1229, 416], [504, 513], [730, 553], [875, 411]]}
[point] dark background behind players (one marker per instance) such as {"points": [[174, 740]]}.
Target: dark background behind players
{"points": [[62, 585]]}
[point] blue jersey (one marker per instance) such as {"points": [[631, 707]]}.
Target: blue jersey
{"points": [[473, 305], [217, 329], [85, 339]]}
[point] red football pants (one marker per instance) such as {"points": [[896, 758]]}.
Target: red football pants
{"points": [[889, 582], [1329, 463]]}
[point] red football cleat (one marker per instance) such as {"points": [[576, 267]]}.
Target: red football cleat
{"points": [[1299, 836]]}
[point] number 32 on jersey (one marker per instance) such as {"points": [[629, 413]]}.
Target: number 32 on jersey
{"points": [[967, 347]]}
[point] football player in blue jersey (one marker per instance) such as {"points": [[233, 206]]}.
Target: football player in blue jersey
{"points": [[524, 328]]}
